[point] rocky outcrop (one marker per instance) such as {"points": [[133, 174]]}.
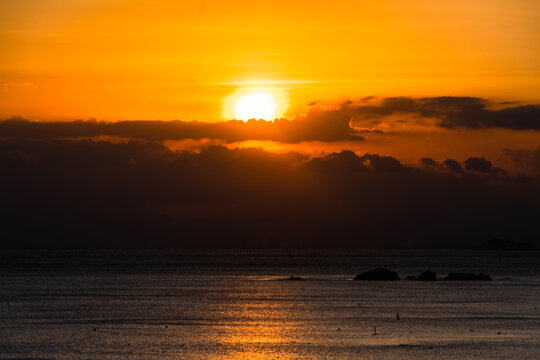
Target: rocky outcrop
{"points": [[428, 275], [378, 274], [294, 278], [467, 277]]}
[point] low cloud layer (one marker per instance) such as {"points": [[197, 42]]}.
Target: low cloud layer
{"points": [[316, 125], [525, 160], [83, 193], [350, 121], [447, 112]]}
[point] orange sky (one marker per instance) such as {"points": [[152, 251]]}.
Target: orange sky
{"points": [[120, 59]]}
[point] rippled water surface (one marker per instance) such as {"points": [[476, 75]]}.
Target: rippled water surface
{"points": [[234, 305]]}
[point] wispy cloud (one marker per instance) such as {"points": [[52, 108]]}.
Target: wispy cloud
{"points": [[269, 82]]}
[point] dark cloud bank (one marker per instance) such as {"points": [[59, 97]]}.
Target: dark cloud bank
{"points": [[316, 125], [64, 193], [321, 125], [449, 112]]}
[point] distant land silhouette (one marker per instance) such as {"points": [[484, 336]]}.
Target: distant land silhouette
{"points": [[506, 245]]}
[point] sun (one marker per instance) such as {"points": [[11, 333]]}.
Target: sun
{"points": [[255, 103], [255, 106]]}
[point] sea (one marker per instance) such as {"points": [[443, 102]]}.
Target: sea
{"points": [[231, 304]]}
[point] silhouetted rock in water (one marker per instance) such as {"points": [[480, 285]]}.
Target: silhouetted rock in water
{"points": [[428, 275], [467, 277], [506, 245], [294, 278], [378, 274]]}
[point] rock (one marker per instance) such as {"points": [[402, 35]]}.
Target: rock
{"points": [[428, 275], [506, 245], [378, 274], [294, 278], [467, 277]]}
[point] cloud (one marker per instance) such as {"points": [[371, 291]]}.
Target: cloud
{"points": [[471, 164], [83, 193], [448, 112], [526, 160], [478, 164], [384, 163], [316, 125], [348, 161], [350, 121], [429, 163], [344, 161], [453, 165]]}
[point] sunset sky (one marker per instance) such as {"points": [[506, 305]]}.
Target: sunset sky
{"points": [[362, 111], [119, 59]]}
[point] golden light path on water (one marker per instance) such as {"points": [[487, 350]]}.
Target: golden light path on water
{"points": [[269, 318], [218, 306]]}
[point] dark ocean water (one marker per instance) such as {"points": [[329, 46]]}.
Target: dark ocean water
{"points": [[232, 305]]}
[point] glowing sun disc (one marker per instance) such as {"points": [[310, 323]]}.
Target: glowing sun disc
{"points": [[267, 103], [255, 106]]}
